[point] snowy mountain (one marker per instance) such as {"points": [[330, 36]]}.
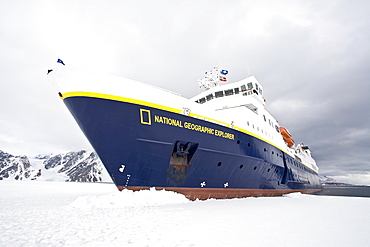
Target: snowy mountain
{"points": [[16, 167], [325, 181], [81, 166]]}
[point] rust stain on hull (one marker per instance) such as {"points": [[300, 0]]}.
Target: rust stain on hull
{"points": [[221, 193]]}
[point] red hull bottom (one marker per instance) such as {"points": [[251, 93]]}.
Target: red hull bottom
{"points": [[205, 193]]}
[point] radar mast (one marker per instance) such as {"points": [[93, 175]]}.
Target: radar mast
{"points": [[213, 78]]}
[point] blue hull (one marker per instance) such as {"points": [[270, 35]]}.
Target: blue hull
{"points": [[142, 146]]}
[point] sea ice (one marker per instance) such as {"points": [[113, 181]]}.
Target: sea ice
{"points": [[36, 213]]}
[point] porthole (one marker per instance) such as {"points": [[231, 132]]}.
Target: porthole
{"points": [[265, 149], [268, 170], [254, 168], [249, 144], [219, 164], [241, 166], [238, 141], [272, 152]]}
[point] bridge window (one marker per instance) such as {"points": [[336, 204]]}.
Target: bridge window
{"points": [[209, 97], [250, 85], [202, 100], [243, 88], [236, 90], [228, 92], [219, 94], [247, 93]]}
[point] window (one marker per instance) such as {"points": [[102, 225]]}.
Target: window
{"points": [[219, 94], [247, 93], [229, 92], [250, 85], [264, 118], [243, 88], [236, 90], [256, 86], [209, 97]]}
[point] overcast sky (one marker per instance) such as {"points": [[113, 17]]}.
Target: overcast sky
{"points": [[312, 58]]}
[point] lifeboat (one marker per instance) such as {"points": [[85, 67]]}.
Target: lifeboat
{"points": [[289, 142], [286, 136], [284, 132]]}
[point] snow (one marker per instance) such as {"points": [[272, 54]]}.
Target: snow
{"points": [[43, 213], [47, 174]]}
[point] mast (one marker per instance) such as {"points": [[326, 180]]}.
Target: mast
{"points": [[213, 78]]}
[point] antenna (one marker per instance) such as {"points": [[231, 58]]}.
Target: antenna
{"points": [[249, 73], [213, 78]]}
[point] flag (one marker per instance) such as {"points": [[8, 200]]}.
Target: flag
{"points": [[60, 61], [222, 78], [224, 72]]}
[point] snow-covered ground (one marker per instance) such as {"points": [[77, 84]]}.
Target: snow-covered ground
{"points": [[36, 213]]}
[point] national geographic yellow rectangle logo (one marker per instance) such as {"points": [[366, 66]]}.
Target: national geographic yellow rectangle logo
{"points": [[145, 117]]}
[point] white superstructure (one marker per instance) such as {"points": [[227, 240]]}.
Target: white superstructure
{"points": [[242, 106]]}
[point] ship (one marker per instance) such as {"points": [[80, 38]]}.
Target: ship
{"points": [[223, 143]]}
